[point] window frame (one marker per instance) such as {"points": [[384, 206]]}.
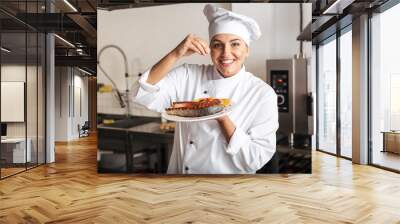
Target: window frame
{"points": [[334, 37]]}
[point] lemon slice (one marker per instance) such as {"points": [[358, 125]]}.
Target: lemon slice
{"points": [[226, 102]]}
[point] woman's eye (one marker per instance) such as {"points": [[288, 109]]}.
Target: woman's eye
{"points": [[235, 44], [217, 45]]}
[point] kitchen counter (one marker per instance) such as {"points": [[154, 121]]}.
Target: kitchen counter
{"points": [[145, 148], [152, 129], [142, 147], [149, 138], [124, 124]]}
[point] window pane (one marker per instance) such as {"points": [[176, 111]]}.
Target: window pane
{"points": [[327, 97], [31, 97], [345, 94], [14, 152], [22, 76], [385, 84]]}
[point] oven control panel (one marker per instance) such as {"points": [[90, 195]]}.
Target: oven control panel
{"points": [[280, 83]]}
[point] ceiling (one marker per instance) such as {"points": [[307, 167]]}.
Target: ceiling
{"points": [[76, 22], [72, 20]]}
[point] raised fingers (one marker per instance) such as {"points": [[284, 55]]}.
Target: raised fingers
{"points": [[199, 46], [194, 48], [196, 44], [204, 45]]}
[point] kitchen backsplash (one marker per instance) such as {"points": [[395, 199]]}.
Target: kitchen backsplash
{"points": [[107, 103]]}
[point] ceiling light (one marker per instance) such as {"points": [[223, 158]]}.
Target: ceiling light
{"points": [[79, 51], [84, 71], [64, 40], [70, 5], [5, 50]]}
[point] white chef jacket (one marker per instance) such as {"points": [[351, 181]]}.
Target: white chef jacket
{"points": [[201, 147]]}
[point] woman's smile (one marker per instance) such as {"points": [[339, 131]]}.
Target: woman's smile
{"points": [[226, 62]]}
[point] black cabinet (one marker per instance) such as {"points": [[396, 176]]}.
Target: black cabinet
{"points": [[134, 147]]}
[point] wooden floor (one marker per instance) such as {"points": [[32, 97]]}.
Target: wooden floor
{"points": [[5, 172], [10, 171], [71, 191]]}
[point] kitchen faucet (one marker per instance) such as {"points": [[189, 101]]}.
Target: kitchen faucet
{"points": [[122, 102]]}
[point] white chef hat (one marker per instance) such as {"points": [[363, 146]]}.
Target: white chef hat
{"points": [[224, 21]]}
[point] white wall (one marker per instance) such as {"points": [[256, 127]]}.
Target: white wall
{"points": [[33, 127], [67, 115], [280, 26], [61, 103], [79, 117], [147, 34], [14, 73], [17, 73]]}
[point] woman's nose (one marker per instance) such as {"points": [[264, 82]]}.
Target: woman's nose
{"points": [[226, 49]]}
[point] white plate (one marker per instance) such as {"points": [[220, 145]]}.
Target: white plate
{"points": [[225, 111]]}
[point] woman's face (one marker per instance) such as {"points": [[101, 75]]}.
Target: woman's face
{"points": [[228, 53]]}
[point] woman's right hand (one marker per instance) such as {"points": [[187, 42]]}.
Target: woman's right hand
{"points": [[190, 45]]}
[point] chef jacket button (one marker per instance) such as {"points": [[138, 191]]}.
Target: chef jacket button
{"points": [[205, 92], [191, 142]]}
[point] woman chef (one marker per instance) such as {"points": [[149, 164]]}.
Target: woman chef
{"points": [[242, 141]]}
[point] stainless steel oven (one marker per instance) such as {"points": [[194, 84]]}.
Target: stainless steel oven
{"points": [[288, 77]]}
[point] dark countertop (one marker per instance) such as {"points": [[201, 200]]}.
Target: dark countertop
{"points": [[150, 128], [150, 132], [125, 124], [140, 128]]}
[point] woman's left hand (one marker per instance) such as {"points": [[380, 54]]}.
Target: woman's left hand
{"points": [[227, 126], [222, 118]]}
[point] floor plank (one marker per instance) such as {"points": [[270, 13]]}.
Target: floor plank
{"points": [[71, 191]]}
